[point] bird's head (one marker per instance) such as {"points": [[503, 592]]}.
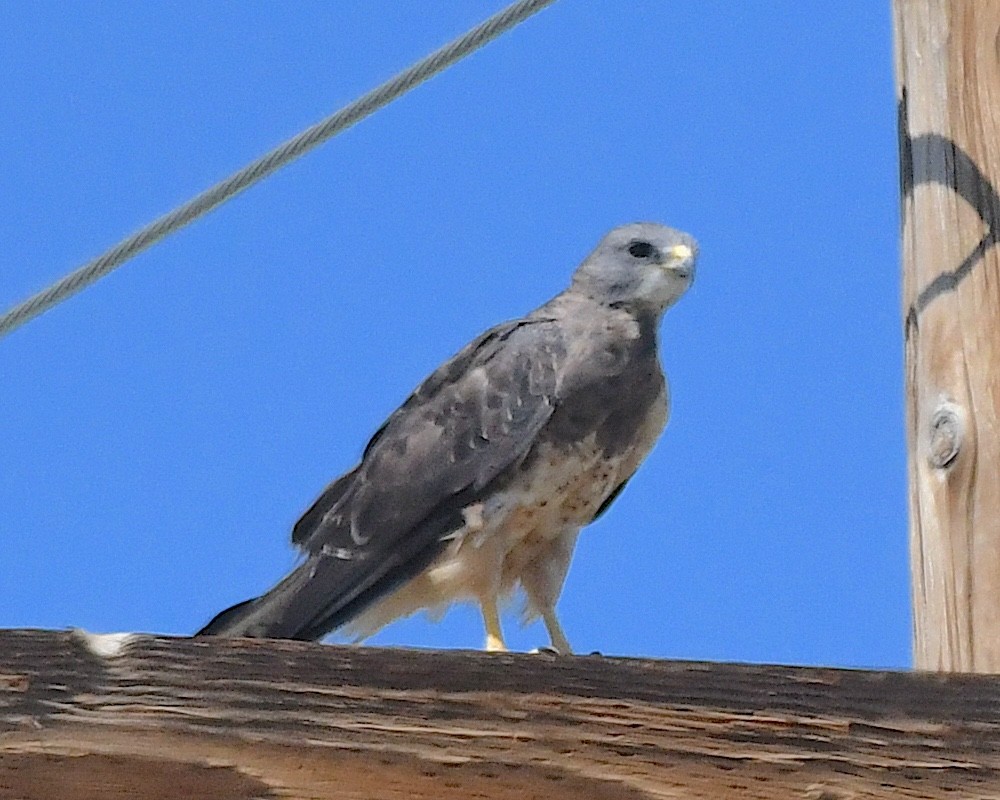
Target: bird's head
{"points": [[644, 265]]}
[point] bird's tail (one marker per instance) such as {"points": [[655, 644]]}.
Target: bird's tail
{"points": [[299, 607], [322, 594], [226, 622], [326, 591]]}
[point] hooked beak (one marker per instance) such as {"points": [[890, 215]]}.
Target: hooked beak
{"points": [[680, 260], [680, 252]]}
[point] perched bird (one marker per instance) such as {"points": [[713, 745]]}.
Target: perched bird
{"points": [[480, 482]]}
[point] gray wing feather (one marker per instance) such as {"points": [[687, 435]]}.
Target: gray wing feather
{"points": [[471, 418]]}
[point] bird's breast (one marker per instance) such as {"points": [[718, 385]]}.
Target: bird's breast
{"points": [[558, 489], [554, 492]]}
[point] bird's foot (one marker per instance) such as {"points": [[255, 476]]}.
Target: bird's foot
{"points": [[494, 633]]}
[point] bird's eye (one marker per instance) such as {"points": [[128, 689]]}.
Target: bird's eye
{"points": [[640, 249]]}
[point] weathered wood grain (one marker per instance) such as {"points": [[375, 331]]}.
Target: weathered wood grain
{"points": [[215, 718], [948, 81]]}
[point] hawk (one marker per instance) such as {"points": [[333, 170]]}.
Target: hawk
{"points": [[478, 485]]}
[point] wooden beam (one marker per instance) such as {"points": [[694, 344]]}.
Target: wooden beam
{"points": [[86, 717], [948, 82]]}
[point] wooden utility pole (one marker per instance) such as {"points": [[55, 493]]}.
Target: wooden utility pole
{"points": [[88, 718], [948, 84]]}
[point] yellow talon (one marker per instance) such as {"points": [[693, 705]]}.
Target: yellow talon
{"points": [[494, 634]]}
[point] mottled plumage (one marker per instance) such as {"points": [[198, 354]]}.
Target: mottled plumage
{"points": [[480, 482]]}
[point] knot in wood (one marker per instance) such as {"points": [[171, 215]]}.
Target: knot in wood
{"points": [[946, 435]]}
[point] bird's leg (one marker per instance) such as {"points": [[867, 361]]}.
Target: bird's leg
{"points": [[491, 617], [542, 580], [556, 635]]}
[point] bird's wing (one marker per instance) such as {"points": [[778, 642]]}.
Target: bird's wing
{"points": [[386, 520], [474, 415]]}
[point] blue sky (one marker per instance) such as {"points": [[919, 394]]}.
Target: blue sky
{"points": [[162, 431]]}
